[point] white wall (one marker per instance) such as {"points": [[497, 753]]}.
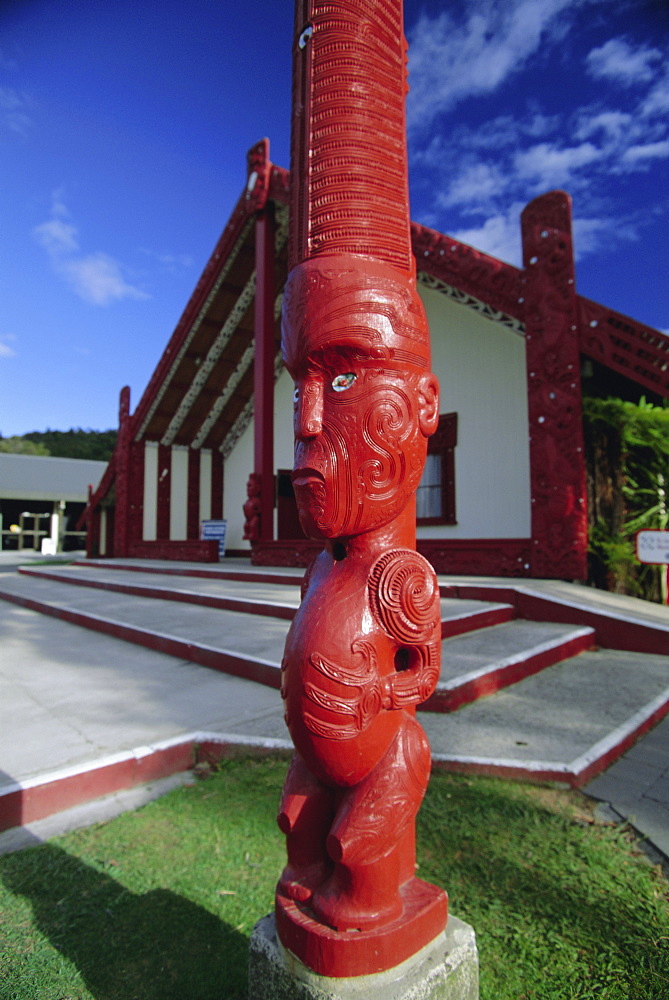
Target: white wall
{"points": [[179, 494], [149, 526], [205, 485], [481, 369], [238, 467], [103, 532], [240, 462]]}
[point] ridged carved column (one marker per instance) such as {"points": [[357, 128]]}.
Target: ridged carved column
{"points": [[364, 647], [557, 461]]}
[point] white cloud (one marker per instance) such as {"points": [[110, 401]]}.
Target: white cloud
{"points": [[479, 183], [498, 236], [547, 165], [57, 236], [95, 277], [98, 279], [606, 124], [656, 102], [591, 234], [641, 155], [6, 349], [625, 64], [452, 59], [172, 262], [14, 110], [467, 176]]}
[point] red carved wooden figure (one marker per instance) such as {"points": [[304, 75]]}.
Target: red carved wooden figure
{"points": [[252, 508], [364, 647]]}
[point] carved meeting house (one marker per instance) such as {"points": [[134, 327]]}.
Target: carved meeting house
{"points": [[514, 349]]}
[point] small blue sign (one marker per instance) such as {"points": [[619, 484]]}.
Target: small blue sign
{"points": [[214, 530]]}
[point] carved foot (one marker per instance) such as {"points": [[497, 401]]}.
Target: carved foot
{"points": [[301, 883], [360, 897]]}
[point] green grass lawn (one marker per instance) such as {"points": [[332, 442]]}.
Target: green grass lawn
{"points": [[160, 903]]}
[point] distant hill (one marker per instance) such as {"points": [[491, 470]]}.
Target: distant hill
{"points": [[75, 443]]}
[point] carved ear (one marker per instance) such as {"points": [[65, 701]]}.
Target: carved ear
{"points": [[428, 404]]}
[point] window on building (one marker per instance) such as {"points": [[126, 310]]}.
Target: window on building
{"points": [[435, 496]]}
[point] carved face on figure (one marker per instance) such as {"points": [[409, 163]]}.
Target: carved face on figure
{"points": [[356, 343]]}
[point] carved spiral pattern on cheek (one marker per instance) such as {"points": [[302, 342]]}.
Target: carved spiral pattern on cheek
{"points": [[386, 426], [404, 595]]}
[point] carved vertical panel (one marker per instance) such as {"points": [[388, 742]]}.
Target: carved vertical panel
{"points": [[263, 368], [122, 513], [164, 491], [136, 493], [217, 485], [193, 494], [557, 476], [349, 88], [364, 647]]}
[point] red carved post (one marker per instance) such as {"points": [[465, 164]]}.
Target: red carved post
{"points": [[193, 494], [364, 648], [92, 527], [252, 508], [122, 512], [164, 491], [263, 388], [559, 509]]}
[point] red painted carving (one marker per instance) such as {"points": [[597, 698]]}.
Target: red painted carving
{"points": [[288, 552], [279, 185], [193, 495], [486, 278], [259, 173], [252, 508], [478, 556], [164, 491], [625, 345], [364, 647], [184, 550], [557, 475], [349, 161], [122, 507]]}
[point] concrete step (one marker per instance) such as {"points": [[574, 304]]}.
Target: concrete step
{"points": [[229, 569], [84, 715], [234, 642], [250, 595], [246, 592], [197, 623], [482, 662], [566, 723]]}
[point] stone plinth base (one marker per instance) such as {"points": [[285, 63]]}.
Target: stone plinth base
{"points": [[445, 969]]}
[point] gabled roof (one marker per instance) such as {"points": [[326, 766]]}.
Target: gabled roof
{"points": [[201, 392]]}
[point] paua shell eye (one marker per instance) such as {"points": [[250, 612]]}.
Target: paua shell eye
{"points": [[342, 382]]}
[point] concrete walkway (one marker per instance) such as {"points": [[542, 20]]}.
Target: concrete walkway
{"points": [[71, 699]]}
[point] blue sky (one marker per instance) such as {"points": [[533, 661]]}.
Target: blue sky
{"points": [[124, 128]]}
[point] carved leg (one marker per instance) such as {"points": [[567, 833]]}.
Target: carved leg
{"points": [[372, 839], [304, 816]]}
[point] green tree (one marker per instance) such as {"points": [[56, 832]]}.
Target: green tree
{"points": [[76, 443], [627, 447], [16, 445]]}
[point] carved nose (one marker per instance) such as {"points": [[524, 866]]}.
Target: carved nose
{"points": [[309, 413]]}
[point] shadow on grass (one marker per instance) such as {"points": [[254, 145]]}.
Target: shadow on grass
{"points": [[127, 946]]}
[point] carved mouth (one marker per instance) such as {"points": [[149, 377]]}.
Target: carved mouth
{"points": [[307, 477]]}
